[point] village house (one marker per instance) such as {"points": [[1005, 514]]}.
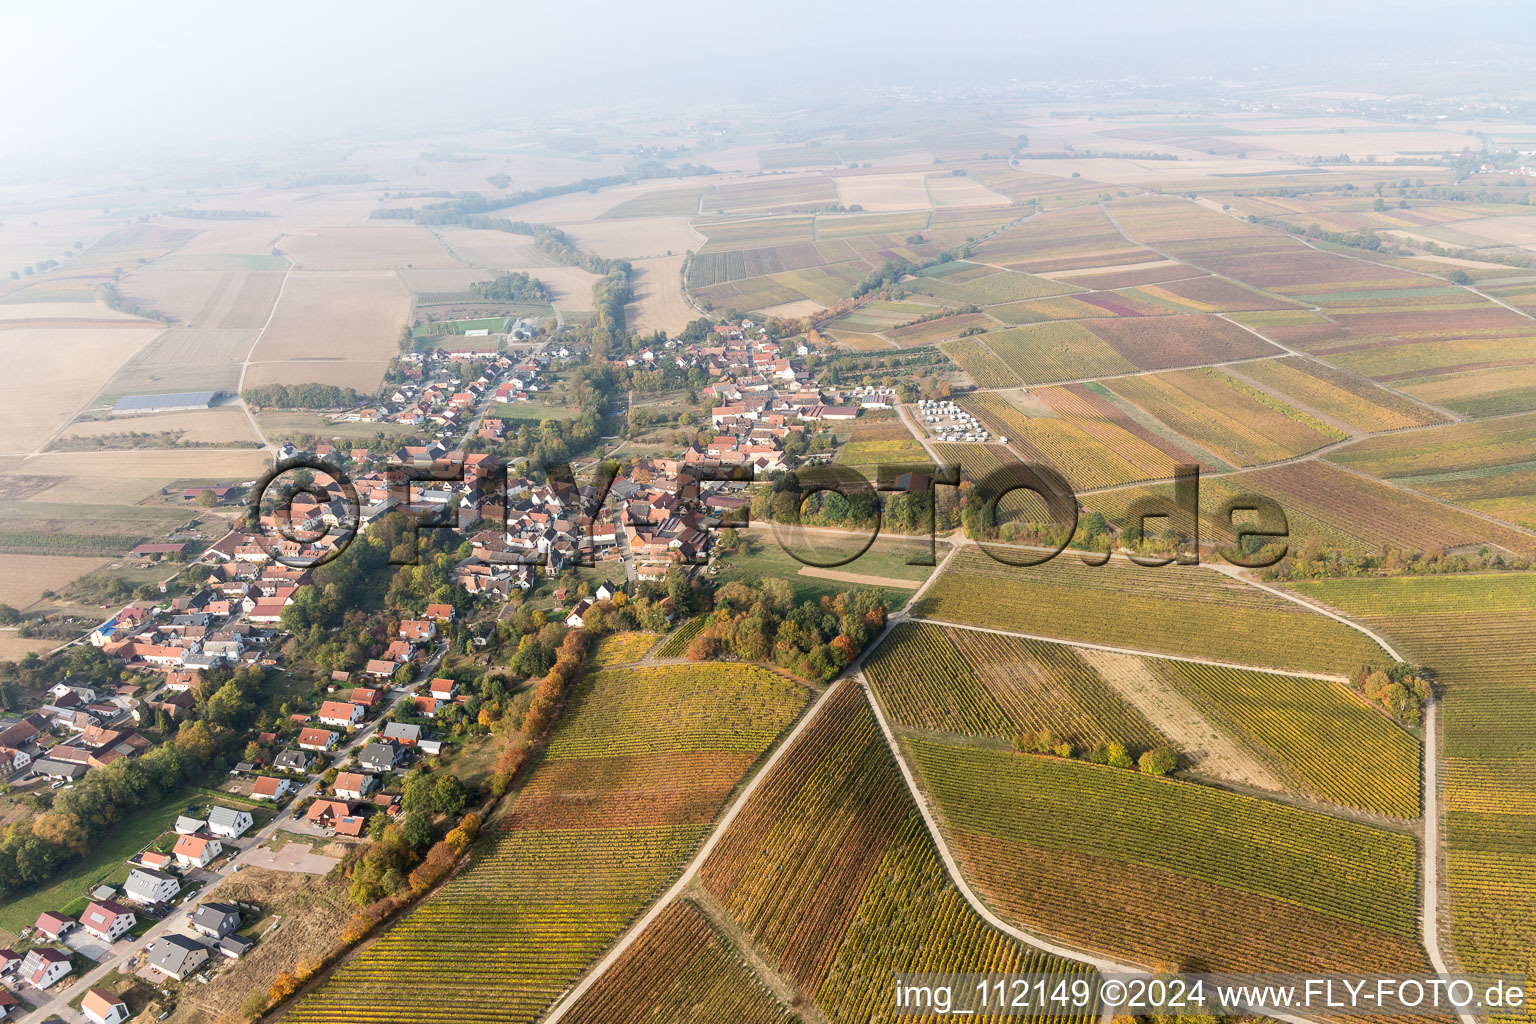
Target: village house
{"points": [[317, 739], [343, 715], [196, 852], [268, 788], [148, 886], [102, 1006], [43, 967], [229, 822], [354, 785], [107, 920], [176, 956]]}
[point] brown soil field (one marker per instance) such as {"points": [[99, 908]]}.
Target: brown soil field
{"points": [[659, 304], [23, 578], [907, 190], [362, 375], [427, 281], [35, 313], [500, 250], [376, 246], [101, 470], [636, 238], [219, 300], [572, 286], [858, 578], [958, 190], [346, 316], [793, 310], [65, 368], [14, 648], [227, 423]]}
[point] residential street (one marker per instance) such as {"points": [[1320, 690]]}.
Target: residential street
{"points": [[57, 999]]}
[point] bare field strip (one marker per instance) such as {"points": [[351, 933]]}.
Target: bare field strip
{"points": [[858, 578], [360, 374], [64, 368], [210, 426], [1209, 750], [427, 281], [103, 477], [214, 299], [637, 238], [571, 286], [501, 250], [879, 193], [659, 304], [14, 647], [961, 190], [31, 313], [378, 245], [23, 578], [353, 315], [793, 310], [181, 359]]}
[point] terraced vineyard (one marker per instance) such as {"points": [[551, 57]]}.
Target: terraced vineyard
{"points": [[1082, 852], [1478, 634], [640, 764], [984, 684], [1173, 609], [679, 972], [831, 874]]}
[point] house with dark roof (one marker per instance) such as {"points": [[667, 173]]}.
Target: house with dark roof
{"points": [[147, 886], [176, 956], [215, 920], [381, 757]]}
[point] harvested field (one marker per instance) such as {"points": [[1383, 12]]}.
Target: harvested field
{"points": [[636, 239], [783, 193], [499, 250], [88, 313], [225, 423], [962, 190], [214, 300], [332, 328], [182, 359], [14, 647], [426, 283], [377, 245], [570, 286], [65, 368], [663, 202], [23, 578], [879, 193], [659, 304]]}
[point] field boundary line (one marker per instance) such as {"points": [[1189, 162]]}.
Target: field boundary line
{"points": [[680, 886], [1138, 652], [952, 869], [245, 365]]}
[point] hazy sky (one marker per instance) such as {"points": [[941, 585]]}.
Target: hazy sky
{"points": [[89, 77]]}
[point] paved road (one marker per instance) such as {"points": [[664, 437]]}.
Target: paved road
{"points": [[58, 998]]}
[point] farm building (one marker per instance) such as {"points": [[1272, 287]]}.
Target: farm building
{"points": [[181, 401]]}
